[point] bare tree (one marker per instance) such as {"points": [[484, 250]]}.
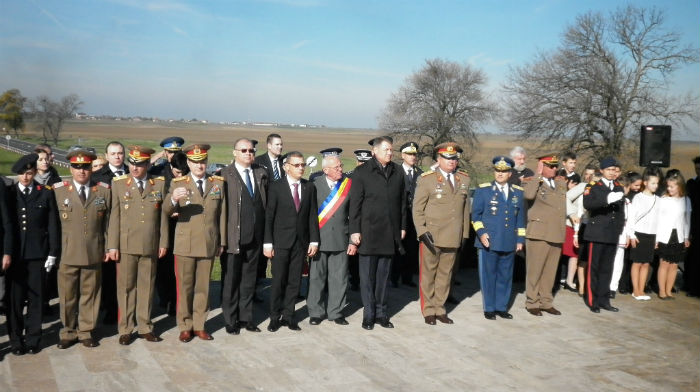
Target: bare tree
{"points": [[12, 110], [443, 101], [609, 76], [52, 115]]}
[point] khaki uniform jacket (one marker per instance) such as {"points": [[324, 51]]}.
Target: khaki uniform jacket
{"points": [[83, 227], [546, 216], [439, 210], [137, 225], [201, 221]]}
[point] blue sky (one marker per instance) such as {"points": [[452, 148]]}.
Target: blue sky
{"points": [[293, 61]]}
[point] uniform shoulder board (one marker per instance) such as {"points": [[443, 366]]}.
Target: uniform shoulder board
{"points": [[592, 183], [463, 172], [518, 187], [103, 184], [159, 178], [60, 184], [119, 178], [485, 185], [429, 172], [44, 186], [179, 179], [217, 178]]}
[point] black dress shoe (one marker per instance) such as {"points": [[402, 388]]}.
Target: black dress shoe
{"points": [[89, 343], [534, 311], [452, 300], [444, 319], [595, 309], [368, 325], [274, 325], [18, 351], [490, 315], [33, 350], [341, 321], [315, 320], [611, 295], [610, 308], [293, 326], [252, 328], [385, 323], [568, 287], [233, 329], [504, 314], [65, 343]]}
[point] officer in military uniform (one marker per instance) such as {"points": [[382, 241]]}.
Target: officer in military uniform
{"points": [[200, 236], [161, 167], [138, 235], [441, 208], [405, 265], [545, 234], [498, 217], [605, 203], [84, 208], [33, 211]]}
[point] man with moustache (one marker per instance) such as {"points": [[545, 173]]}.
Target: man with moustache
{"points": [[246, 193], [518, 155], [138, 236], [378, 224], [200, 236], [84, 208]]}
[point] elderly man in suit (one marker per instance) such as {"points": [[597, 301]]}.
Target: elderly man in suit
{"points": [[331, 262], [291, 233], [378, 224], [545, 234], [33, 210], [84, 208], [441, 215], [200, 236], [246, 193], [272, 159], [138, 235]]}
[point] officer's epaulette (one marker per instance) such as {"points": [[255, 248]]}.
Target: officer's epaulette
{"points": [[180, 179], [518, 187], [526, 179], [119, 178], [212, 178], [462, 171], [159, 178], [103, 184], [592, 183], [485, 185], [427, 173], [60, 184]]}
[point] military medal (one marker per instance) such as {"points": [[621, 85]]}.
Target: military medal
{"points": [[64, 215], [66, 202]]}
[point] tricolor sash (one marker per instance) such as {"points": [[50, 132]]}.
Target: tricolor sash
{"points": [[333, 201]]}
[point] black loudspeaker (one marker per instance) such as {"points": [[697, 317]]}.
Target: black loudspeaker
{"points": [[655, 145]]}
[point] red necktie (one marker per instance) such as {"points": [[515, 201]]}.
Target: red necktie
{"points": [[295, 194]]}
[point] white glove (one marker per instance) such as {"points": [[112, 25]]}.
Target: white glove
{"points": [[50, 262], [615, 196]]}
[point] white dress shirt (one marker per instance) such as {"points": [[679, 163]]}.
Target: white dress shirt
{"points": [[77, 188], [241, 171]]}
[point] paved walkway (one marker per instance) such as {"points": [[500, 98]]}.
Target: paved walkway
{"points": [[652, 346]]}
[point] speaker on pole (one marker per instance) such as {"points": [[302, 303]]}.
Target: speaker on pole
{"points": [[655, 145]]}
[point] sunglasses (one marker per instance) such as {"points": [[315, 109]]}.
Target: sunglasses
{"points": [[85, 166], [247, 150], [297, 165]]}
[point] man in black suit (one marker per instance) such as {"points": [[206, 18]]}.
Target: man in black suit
{"points": [[272, 159], [377, 224], [604, 201], [114, 152], [33, 210], [691, 277], [246, 193], [404, 266], [6, 243], [291, 233]]}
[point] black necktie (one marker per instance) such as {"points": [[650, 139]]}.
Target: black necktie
{"points": [[275, 171], [81, 194], [26, 192], [449, 181], [200, 187], [119, 172]]}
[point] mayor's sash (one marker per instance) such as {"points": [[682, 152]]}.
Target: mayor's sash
{"points": [[338, 194]]}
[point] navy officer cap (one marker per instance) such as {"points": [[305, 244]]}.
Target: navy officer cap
{"points": [[25, 163], [172, 143], [363, 155], [333, 151], [409, 148], [502, 163]]}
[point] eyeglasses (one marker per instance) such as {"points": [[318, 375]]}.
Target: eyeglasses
{"points": [[297, 165], [247, 150], [339, 167]]}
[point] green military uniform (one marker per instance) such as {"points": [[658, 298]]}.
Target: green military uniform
{"points": [[137, 228], [199, 232], [442, 210], [83, 236]]}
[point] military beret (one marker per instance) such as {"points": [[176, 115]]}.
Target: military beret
{"points": [[27, 162], [608, 162]]}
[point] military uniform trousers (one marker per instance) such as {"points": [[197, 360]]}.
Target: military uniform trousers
{"points": [[79, 298], [542, 258], [496, 279], [331, 268], [136, 275], [239, 275], [435, 278], [26, 285], [599, 272], [192, 275]]}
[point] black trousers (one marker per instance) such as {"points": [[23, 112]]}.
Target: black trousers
{"points": [[404, 266], [238, 276], [601, 258], [166, 286], [109, 290], [26, 284], [286, 279], [374, 275]]}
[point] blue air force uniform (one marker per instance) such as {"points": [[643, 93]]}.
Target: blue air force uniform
{"points": [[503, 218]]}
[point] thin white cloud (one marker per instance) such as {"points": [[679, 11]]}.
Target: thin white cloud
{"points": [[49, 15], [300, 44], [180, 31]]}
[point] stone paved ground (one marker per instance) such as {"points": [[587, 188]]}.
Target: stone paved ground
{"points": [[652, 346]]}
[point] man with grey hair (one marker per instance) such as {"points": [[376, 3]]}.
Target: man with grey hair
{"points": [[519, 170], [331, 262]]}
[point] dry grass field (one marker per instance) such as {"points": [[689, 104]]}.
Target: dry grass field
{"points": [[307, 140]]}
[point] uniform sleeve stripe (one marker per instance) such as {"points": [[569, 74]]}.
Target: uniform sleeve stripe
{"points": [[478, 225]]}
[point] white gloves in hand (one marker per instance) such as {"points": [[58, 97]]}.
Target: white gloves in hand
{"points": [[50, 262], [615, 196]]}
